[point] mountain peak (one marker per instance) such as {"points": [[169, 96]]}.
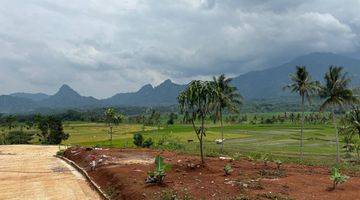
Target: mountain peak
{"points": [[66, 90], [166, 83], [146, 88]]}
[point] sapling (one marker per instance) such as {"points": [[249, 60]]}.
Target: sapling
{"points": [[265, 159], [228, 169], [158, 175], [278, 164], [337, 178]]}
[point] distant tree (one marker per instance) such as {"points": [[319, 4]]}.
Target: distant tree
{"points": [[224, 97], [302, 84], [51, 130], [56, 131], [18, 137], [110, 117], [10, 121], [29, 124], [196, 101], [336, 93], [43, 126], [171, 119]]}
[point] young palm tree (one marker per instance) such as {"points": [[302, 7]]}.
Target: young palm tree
{"points": [[225, 97], [110, 117], [336, 93], [302, 84], [196, 101]]}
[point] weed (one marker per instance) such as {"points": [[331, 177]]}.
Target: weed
{"points": [[278, 164], [228, 169], [337, 178], [110, 191], [60, 152], [158, 175]]}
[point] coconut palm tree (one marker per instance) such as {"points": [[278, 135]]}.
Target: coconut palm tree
{"points": [[225, 97], [302, 84], [336, 93]]}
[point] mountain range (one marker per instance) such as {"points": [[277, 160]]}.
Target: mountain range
{"points": [[262, 84]]}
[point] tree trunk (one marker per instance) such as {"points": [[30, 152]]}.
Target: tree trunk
{"points": [[201, 149], [302, 128], [111, 134], [222, 132], [336, 137], [201, 141]]}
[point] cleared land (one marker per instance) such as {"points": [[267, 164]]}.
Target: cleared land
{"points": [[32, 172], [122, 172]]}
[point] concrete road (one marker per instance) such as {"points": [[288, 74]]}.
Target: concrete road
{"points": [[32, 172]]}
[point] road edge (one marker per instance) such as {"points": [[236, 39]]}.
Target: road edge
{"points": [[91, 182]]}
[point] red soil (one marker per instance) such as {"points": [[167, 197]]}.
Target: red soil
{"points": [[123, 172]]}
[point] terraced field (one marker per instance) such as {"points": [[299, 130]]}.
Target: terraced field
{"points": [[276, 139]]}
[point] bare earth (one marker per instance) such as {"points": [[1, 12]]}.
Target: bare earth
{"points": [[32, 172]]}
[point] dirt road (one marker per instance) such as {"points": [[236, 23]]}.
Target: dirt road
{"points": [[32, 172]]}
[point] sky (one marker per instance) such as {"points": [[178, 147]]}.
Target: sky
{"points": [[102, 47]]}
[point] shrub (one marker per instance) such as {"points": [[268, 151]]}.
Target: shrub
{"points": [[337, 178], [138, 139], [265, 158], [278, 164], [169, 143], [147, 143], [18, 137], [228, 169], [158, 175], [237, 156], [60, 152]]}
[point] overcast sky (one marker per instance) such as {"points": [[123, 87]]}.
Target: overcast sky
{"points": [[102, 47]]}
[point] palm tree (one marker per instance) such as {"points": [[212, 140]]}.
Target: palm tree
{"points": [[336, 93], [110, 117], [302, 84], [225, 97]]}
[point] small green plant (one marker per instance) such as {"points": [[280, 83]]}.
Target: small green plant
{"points": [[228, 169], [278, 164], [337, 177], [265, 159], [138, 139], [147, 143], [60, 152], [158, 175], [237, 156]]}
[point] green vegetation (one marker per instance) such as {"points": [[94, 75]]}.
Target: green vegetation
{"points": [[336, 93], [225, 97], [337, 178], [158, 175], [228, 169], [303, 84], [18, 137], [139, 141], [195, 103]]}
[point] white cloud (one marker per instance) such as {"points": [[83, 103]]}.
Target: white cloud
{"points": [[101, 48]]}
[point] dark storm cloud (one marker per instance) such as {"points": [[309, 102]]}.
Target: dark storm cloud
{"points": [[103, 47]]}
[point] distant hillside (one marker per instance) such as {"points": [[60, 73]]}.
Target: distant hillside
{"points": [[269, 82], [66, 97], [256, 85], [10, 104], [164, 94], [30, 96]]}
